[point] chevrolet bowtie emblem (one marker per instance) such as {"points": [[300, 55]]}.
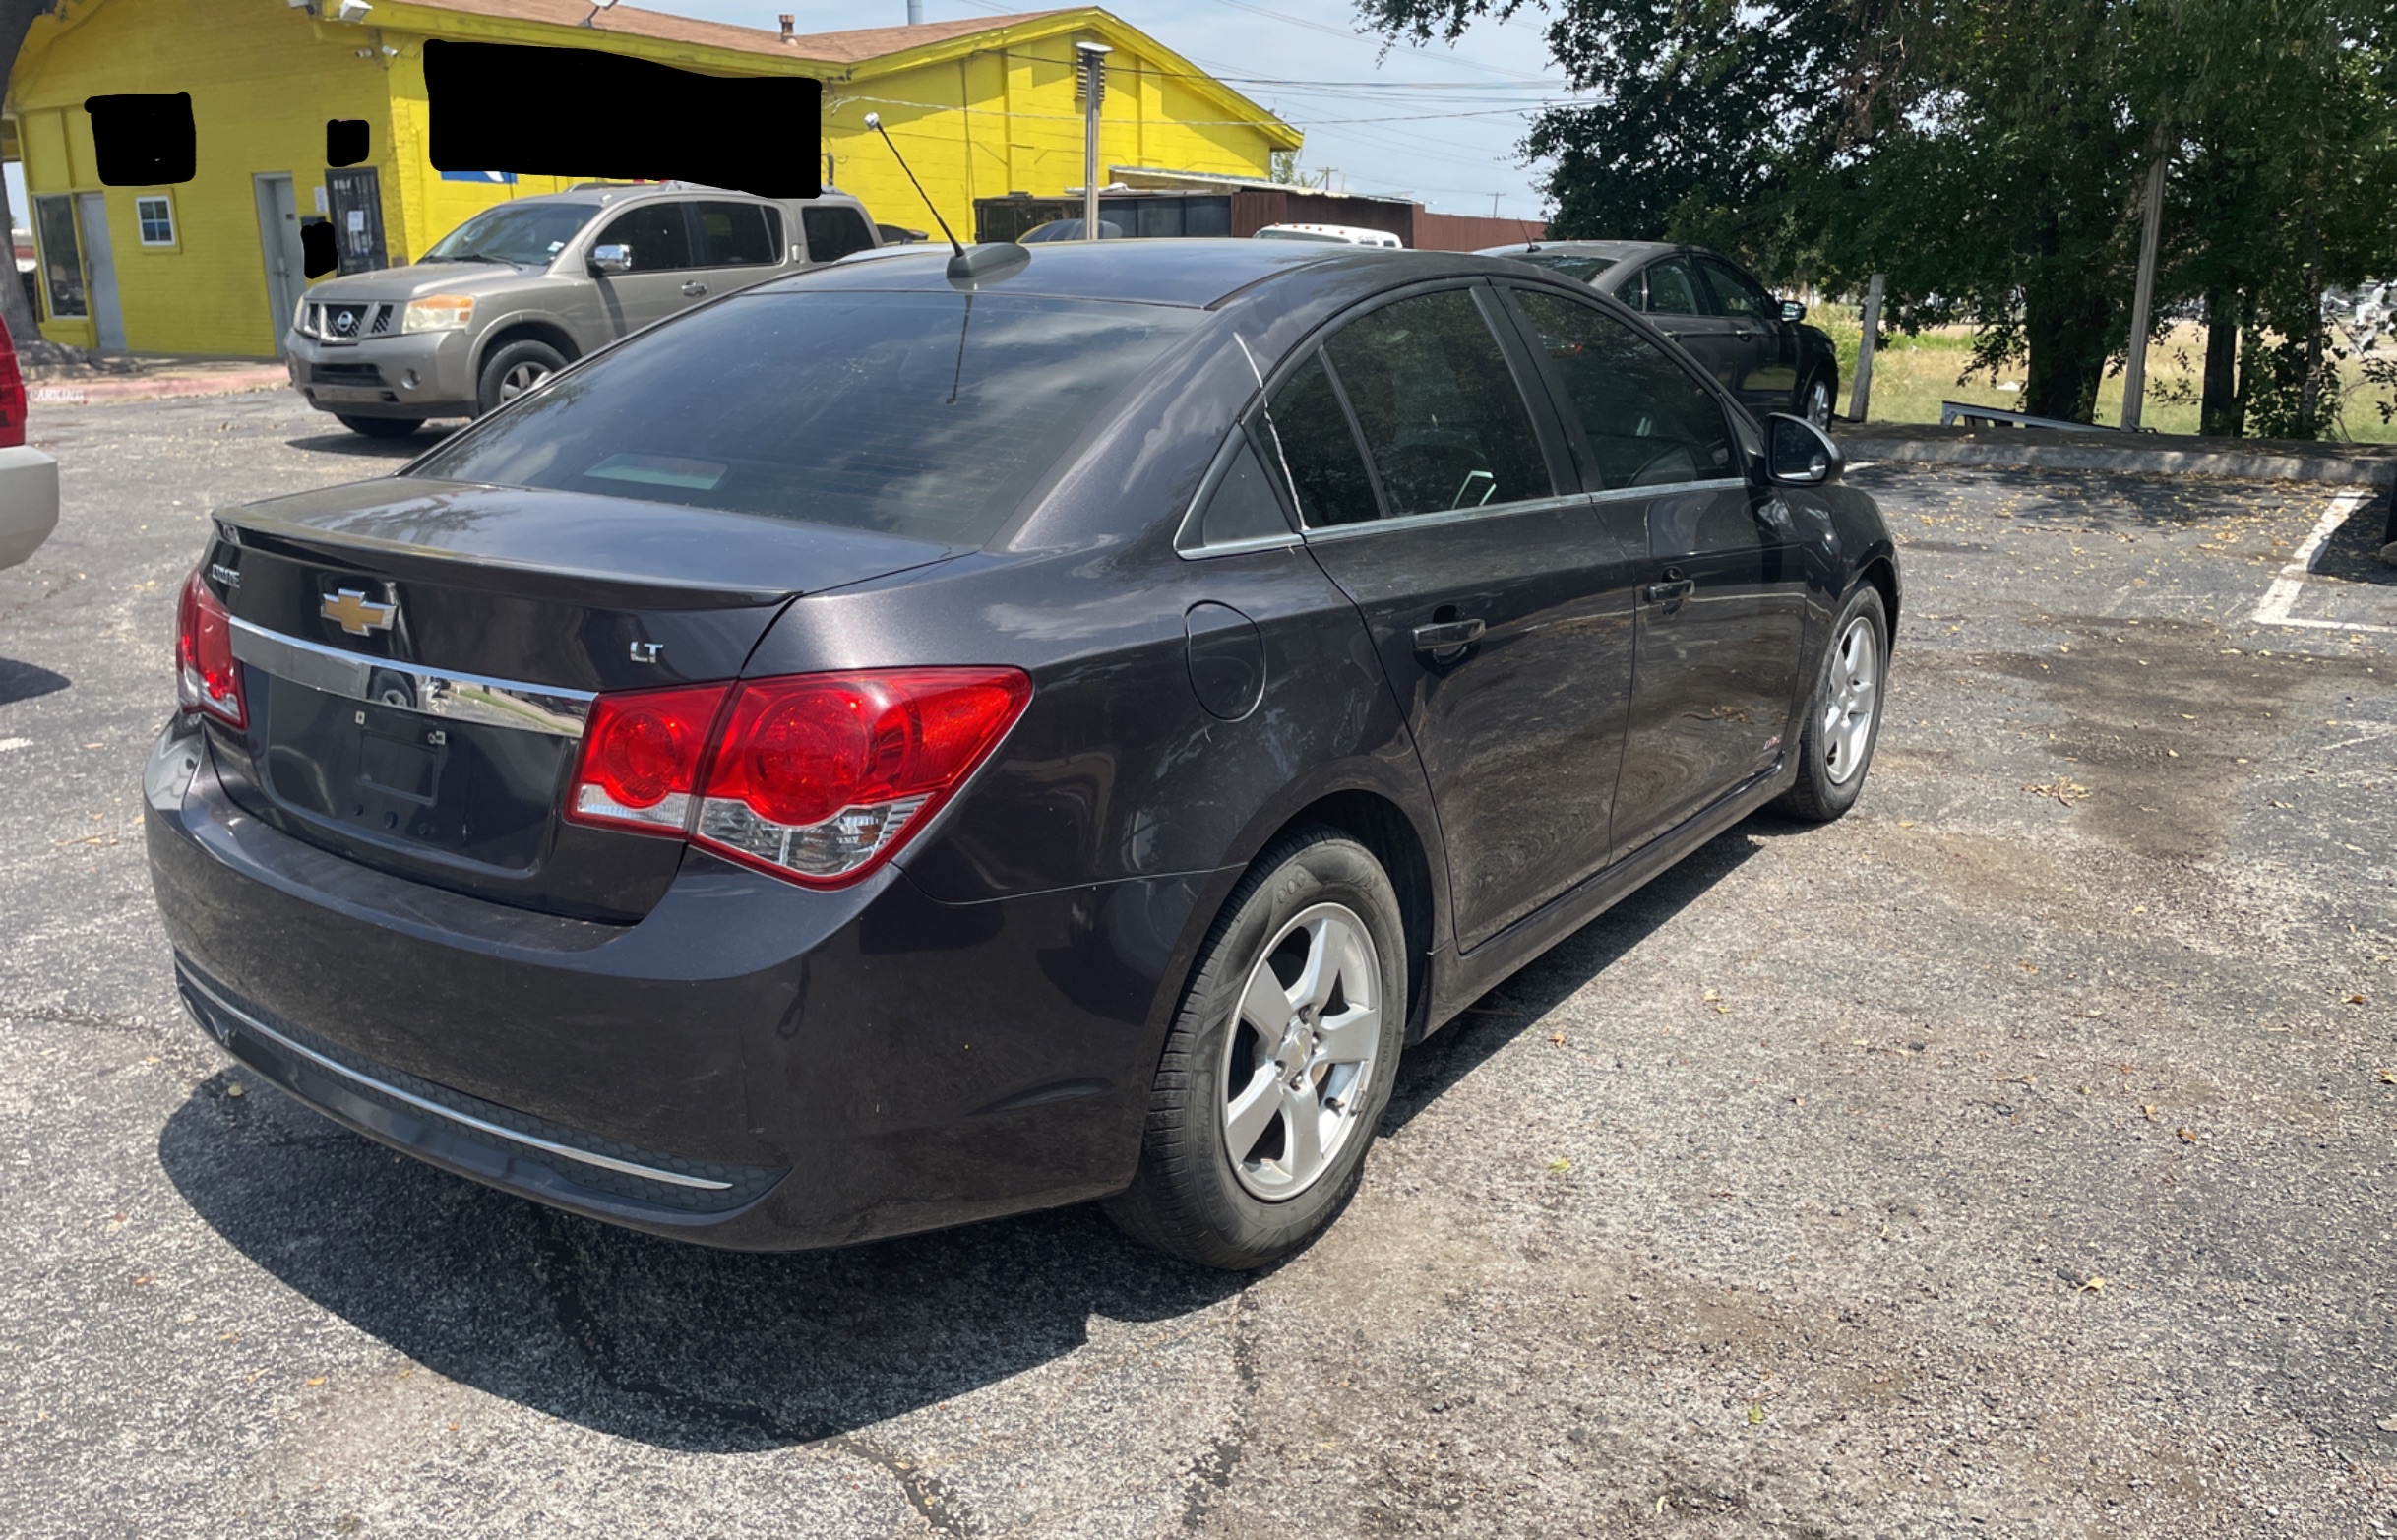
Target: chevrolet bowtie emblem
{"points": [[356, 613]]}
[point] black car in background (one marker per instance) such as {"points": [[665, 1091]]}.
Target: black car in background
{"points": [[901, 744], [1757, 345]]}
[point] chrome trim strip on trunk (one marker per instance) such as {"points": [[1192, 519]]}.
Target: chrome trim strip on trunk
{"points": [[413, 687], [251, 1023]]}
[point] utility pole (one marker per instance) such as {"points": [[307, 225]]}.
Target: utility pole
{"points": [[1859, 396], [1094, 91], [2151, 229]]}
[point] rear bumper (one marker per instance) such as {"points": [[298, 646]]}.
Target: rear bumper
{"points": [[751, 1066], [28, 502], [424, 374]]}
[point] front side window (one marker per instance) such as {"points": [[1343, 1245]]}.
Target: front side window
{"points": [[834, 231], [1310, 434], [524, 233], [1438, 407], [1673, 289], [658, 234], [154, 213], [1738, 295], [929, 415], [1647, 421], [733, 235]]}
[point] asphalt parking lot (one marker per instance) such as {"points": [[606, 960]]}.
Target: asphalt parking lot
{"points": [[2015, 1157]]}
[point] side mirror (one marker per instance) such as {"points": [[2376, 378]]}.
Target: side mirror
{"points": [[1799, 454], [611, 258], [1792, 311]]}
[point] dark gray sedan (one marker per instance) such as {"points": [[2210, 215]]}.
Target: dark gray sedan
{"points": [[932, 738], [1757, 345]]}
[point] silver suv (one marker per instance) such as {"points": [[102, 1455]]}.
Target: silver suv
{"points": [[528, 287]]}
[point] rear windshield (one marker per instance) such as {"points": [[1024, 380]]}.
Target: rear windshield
{"points": [[916, 414], [525, 232], [1572, 267]]}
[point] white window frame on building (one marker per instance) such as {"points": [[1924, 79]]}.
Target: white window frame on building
{"points": [[155, 208]]}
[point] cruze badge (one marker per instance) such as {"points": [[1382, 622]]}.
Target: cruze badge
{"points": [[352, 611]]}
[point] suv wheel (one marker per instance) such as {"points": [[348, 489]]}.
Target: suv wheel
{"points": [[1279, 1067], [381, 427], [513, 369]]}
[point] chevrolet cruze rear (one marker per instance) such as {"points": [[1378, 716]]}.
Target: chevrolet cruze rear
{"points": [[891, 749]]}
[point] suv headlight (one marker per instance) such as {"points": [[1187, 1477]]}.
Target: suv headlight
{"points": [[438, 313], [300, 318]]}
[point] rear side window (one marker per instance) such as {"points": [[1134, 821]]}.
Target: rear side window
{"points": [[1318, 454], [1647, 421], [1242, 504], [833, 233], [1673, 289], [657, 233], [732, 236], [1438, 407], [902, 412]]}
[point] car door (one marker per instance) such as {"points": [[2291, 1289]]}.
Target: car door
{"points": [[657, 233], [733, 244], [1768, 377], [1721, 609], [1430, 473], [1677, 303]]}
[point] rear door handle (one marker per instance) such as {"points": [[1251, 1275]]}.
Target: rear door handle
{"points": [[1667, 591], [1447, 635], [694, 288]]}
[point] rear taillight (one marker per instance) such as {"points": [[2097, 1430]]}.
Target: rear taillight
{"points": [[207, 678], [815, 777], [12, 395]]}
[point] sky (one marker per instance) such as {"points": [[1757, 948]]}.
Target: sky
{"points": [[1449, 118]]}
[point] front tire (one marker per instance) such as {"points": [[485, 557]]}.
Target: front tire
{"points": [[1278, 1065], [513, 370], [381, 427], [1843, 714], [1814, 398]]}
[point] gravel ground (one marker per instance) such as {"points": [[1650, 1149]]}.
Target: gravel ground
{"points": [[2011, 1158]]}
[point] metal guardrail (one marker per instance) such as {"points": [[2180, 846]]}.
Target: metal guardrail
{"points": [[1953, 413]]}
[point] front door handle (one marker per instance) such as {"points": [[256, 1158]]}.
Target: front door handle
{"points": [[1675, 587], [694, 288], [1450, 635]]}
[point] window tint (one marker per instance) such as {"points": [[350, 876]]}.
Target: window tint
{"points": [[1673, 289], [1569, 263], [655, 231], [1440, 411], [733, 235], [883, 412], [1647, 421], [1242, 506], [526, 232], [1737, 293], [836, 231], [1305, 425]]}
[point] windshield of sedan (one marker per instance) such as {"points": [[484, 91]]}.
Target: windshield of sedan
{"points": [[927, 415], [525, 232], [1572, 267]]}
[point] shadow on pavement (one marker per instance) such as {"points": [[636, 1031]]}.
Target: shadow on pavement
{"points": [[27, 681], [669, 1344], [1493, 1021], [359, 446], [2353, 552]]}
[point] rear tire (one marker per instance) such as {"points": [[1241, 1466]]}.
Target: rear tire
{"points": [[381, 427], [1843, 713], [513, 369], [1295, 1010]]}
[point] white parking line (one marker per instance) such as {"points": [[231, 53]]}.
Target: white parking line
{"points": [[2274, 610]]}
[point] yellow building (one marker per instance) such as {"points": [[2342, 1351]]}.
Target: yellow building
{"points": [[211, 265]]}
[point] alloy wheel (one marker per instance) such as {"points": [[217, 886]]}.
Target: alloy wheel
{"points": [[1299, 1057], [1818, 403], [1854, 697], [522, 378]]}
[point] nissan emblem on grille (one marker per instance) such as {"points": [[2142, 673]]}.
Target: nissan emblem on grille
{"points": [[356, 613], [345, 320]]}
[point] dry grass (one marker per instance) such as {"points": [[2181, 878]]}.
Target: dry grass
{"points": [[1913, 375]]}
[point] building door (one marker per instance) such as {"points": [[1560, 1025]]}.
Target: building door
{"points": [[357, 218], [100, 263], [278, 239]]}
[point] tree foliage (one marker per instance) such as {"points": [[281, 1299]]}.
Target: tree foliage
{"points": [[1989, 155]]}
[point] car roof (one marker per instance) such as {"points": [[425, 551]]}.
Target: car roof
{"points": [[1621, 251], [626, 192], [1196, 272]]}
